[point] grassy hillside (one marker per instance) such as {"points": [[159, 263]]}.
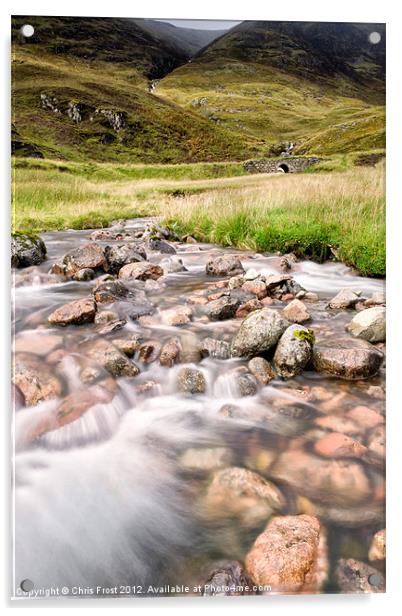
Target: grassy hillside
{"points": [[247, 94], [319, 85], [153, 130]]}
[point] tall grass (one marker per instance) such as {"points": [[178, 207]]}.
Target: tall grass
{"points": [[342, 214], [315, 215]]}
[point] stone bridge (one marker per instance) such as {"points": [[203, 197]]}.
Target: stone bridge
{"points": [[280, 165]]}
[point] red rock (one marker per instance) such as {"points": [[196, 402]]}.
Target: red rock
{"points": [[267, 301], [170, 353], [245, 309], [72, 407], [257, 287], [287, 297], [34, 379], [337, 445], [141, 271], [75, 313], [365, 417], [337, 482], [296, 312], [285, 555]]}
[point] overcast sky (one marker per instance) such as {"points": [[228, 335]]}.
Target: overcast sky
{"points": [[202, 24]]}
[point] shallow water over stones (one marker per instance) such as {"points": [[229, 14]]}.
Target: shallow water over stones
{"points": [[109, 489]]}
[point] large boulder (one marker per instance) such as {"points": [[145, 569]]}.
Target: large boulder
{"points": [[75, 313], [285, 557], [27, 250], [90, 256], [336, 482], [294, 351], [369, 325], [141, 271], [226, 265], [244, 494], [347, 359], [354, 576], [346, 298], [123, 254], [259, 332]]}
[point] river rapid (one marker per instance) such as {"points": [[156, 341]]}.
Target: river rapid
{"points": [[117, 499]]}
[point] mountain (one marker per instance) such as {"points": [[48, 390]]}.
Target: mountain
{"points": [[129, 90], [80, 90], [289, 81], [185, 40]]}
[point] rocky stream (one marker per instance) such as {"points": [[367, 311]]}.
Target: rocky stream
{"points": [[187, 415]]}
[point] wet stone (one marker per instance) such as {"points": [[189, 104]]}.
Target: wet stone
{"points": [[141, 271], [219, 349], [285, 555], [191, 380], [75, 313], [346, 298], [111, 291], [123, 254], [227, 579], [170, 353], [296, 312], [85, 274], [223, 308], [294, 351], [347, 359], [377, 547], [89, 256], [109, 357], [261, 369], [27, 250], [258, 332], [226, 265], [149, 351], [354, 576]]}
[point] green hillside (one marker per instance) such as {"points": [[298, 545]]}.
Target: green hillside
{"points": [[119, 120], [82, 91], [289, 82]]}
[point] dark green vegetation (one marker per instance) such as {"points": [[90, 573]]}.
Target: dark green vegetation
{"points": [[125, 90]]}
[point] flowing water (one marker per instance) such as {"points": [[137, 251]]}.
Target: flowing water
{"points": [[107, 500]]}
